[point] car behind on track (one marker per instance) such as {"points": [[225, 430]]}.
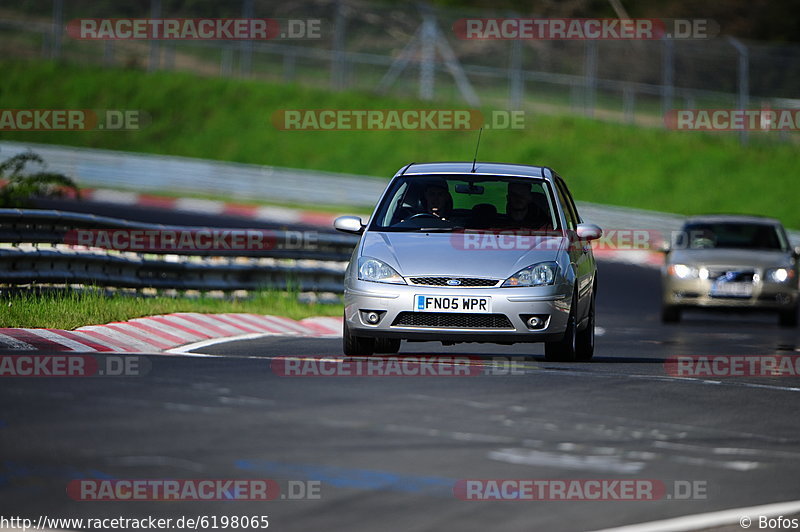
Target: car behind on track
{"points": [[731, 263]]}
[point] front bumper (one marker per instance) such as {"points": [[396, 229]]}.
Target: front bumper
{"points": [[697, 293], [391, 300]]}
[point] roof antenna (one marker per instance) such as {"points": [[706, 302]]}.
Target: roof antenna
{"points": [[475, 159]]}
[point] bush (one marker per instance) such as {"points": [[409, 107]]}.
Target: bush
{"points": [[19, 189]]}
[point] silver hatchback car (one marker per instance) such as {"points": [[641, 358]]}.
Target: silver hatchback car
{"points": [[464, 252]]}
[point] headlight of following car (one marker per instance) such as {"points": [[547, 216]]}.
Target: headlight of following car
{"points": [[540, 274], [779, 275], [370, 269], [682, 271]]}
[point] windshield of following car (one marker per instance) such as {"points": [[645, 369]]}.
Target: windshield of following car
{"points": [[454, 202], [741, 235]]}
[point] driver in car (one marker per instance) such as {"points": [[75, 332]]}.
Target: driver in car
{"points": [[438, 200]]}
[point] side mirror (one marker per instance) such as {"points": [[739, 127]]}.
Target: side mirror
{"points": [[796, 252], [589, 232], [349, 224], [663, 247]]}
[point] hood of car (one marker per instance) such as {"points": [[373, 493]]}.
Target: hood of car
{"points": [[487, 255], [743, 258]]}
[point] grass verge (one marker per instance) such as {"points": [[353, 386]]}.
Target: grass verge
{"points": [[71, 309], [230, 119]]}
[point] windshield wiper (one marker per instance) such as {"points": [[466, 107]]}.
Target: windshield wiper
{"points": [[438, 229]]}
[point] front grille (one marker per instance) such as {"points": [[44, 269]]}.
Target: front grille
{"points": [[732, 275], [447, 320], [463, 281]]}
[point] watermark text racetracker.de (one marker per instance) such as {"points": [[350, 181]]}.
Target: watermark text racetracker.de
{"points": [[193, 490], [73, 365], [73, 119], [395, 366], [582, 29], [703, 366], [596, 489], [194, 29], [733, 119], [188, 240], [395, 119]]}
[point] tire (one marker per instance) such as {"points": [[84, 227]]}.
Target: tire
{"points": [[585, 340], [356, 345], [670, 314], [564, 350], [788, 318], [387, 345]]}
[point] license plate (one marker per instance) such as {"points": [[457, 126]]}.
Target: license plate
{"points": [[470, 304], [732, 290]]}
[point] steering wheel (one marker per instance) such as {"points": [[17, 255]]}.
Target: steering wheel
{"points": [[423, 214]]}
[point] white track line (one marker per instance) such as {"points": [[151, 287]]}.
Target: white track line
{"points": [[712, 519], [184, 349]]}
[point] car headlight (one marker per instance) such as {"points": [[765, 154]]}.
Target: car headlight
{"points": [[682, 271], [540, 274], [779, 275], [370, 269]]}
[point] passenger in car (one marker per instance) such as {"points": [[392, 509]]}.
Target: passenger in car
{"points": [[522, 209]]}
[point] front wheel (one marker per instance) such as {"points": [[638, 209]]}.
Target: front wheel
{"points": [[670, 314], [387, 345], [788, 318], [356, 345], [565, 350]]}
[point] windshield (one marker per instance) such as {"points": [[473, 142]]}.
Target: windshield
{"points": [[734, 235], [454, 202]]}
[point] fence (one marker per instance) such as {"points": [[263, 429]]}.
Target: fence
{"points": [[406, 49]]}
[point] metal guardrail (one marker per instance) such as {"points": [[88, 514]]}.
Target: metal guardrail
{"points": [[186, 175], [317, 265], [34, 226]]}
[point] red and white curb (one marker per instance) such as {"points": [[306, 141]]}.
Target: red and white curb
{"points": [[156, 334], [638, 257], [205, 206]]}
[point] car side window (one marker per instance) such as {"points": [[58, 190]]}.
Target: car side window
{"points": [[571, 202], [568, 206]]}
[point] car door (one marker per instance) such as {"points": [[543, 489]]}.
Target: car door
{"points": [[580, 250]]}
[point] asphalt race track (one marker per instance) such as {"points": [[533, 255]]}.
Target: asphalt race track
{"points": [[387, 451]]}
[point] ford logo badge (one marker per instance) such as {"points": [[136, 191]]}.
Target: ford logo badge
{"points": [[453, 282]]}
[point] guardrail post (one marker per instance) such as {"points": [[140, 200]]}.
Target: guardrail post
{"points": [[338, 56], [667, 75], [590, 77], [427, 56], [108, 53], [58, 28], [628, 104], [155, 45], [246, 47], [289, 60], [515, 81], [226, 61], [743, 81]]}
